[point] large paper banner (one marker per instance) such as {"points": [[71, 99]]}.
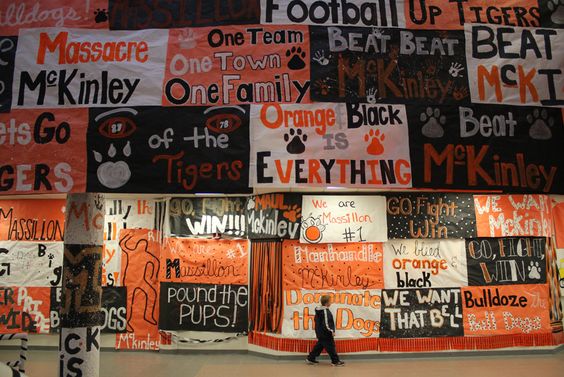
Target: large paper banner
{"points": [[203, 307], [425, 264], [491, 147], [343, 219], [357, 145], [43, 151], [237, 65], [32, 220], [146, 14], [419, 313], [88, 68], [140, 267], [332, 267], [426, 215], [508, 309], [114, 307], [352, 64], [514, 65], [7, 57], [513, 215], [15, 15], [189, 260], [439, 14], [207, 216], [29, 264], [334, 12], [274, 216], [356, 313], [506, 261], [560, 261], [126, 214], [24, 309], [168, 150]]}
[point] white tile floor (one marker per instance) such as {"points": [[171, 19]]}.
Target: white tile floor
{"points": [[140, 364]]}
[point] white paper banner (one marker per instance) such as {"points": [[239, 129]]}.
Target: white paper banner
{"points": [[425, 264], [343, 219], [89, 68], [327, 144], [356, 313], [336, 12], [514, 65], [30, 264]]}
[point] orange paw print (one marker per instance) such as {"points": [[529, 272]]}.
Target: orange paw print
{"points": [[375, 147], [293, 213]]}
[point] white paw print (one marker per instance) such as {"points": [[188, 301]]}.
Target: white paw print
{"points": [[556, 7], [319, 57], [455, 70], [371, 97]]}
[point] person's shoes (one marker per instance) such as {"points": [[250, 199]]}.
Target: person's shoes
{"points": [[338, 364], [311, 362]]}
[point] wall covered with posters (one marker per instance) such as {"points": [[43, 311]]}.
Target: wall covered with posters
{"points": [[454, 110]]}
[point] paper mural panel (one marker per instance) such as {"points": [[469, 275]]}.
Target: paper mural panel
{"points": [[558, 219], [21, 14], [7, 57], [356, 64], [206, 261], [438, 14], [32, 220], [506, 261], [508, 309], [30, 264], [58, 67], [343, 219], [515, 65], [356, 313], [24, 309], [353, 145], [274, 216], [147, 14], [208, 216], [335, 12], [489, 147], [420, 313], [513, 215], [430, 215], [265, 64], [140, 275], [114, 307], [425, 264], [332, 267], [43, 151], [168, 150], [203, 307]]}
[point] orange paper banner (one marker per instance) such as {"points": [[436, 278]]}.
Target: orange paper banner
{"points": [[508, 309], [332, 266], [187, 260], [32, 219]]}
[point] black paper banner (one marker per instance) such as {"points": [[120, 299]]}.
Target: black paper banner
{"points": [[7, 55], [274, 216], [169, 150], [506, 261], [207, 216], [114, 307], [509, 148], [551, 13], [156, 14], [426, 215], [203, 307], [355, 64], [419, 313]]}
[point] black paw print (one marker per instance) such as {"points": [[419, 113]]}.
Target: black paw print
{"points": [[295, 141], [101, 15], [297, 61]]}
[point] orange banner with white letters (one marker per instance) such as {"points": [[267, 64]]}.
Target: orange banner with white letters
{"points": [[332, 266]]}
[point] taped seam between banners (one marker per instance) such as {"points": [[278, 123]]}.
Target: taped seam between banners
{"points": [[411, 345]]}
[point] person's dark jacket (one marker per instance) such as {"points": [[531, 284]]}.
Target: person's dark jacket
{"points": [[324, 323]]}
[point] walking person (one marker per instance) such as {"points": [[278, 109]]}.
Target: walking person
{"points": [[325, 332]]}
